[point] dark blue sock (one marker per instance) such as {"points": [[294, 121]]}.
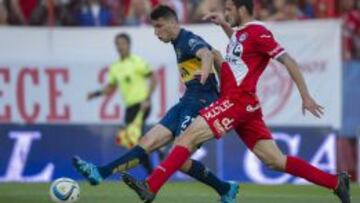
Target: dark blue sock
{"points": [[202, 174], [129, 160]]}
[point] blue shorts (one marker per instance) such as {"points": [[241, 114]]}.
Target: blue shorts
{"points": [[180, 116]]}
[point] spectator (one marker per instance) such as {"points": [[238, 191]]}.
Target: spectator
{"points": [[179, 6], [93, 13], [356, 43], [261, 9], [118, 9], [138, 13], [351, 18], [325, 8], [203, 7], [307, 8], [3, 13], [20, 11], [60, 13], [286, 10], [135, 12], [292, 11], [277, 10]]}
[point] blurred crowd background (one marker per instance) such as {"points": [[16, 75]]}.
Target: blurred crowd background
{"points": [[135, 13]]}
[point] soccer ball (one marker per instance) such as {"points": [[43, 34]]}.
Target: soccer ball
{"points": [[64, 190]]}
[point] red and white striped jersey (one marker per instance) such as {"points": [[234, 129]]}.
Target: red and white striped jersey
{"points": [[248, 53]]}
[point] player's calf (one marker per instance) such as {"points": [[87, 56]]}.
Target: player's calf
{"points": [[157, 137], [275, 163], [270, 155]]}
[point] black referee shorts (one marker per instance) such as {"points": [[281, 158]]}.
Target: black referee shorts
{"points": [[132, 111]]}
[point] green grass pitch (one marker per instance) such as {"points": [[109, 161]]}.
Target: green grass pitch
{"points": [[188, 192]]}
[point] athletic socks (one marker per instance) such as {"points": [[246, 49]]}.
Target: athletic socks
{"points": [[146, 163], [202, 174], [167, 168], [127, 161], [300, 168]]}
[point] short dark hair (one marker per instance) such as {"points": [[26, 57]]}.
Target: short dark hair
{"points": [[163, 11], [249, 5], [124, 36]]}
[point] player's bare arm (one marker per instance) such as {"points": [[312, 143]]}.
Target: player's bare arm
{"points": [[207, 60], [105, 91], [218, 60], [308, 103], [153, 82], [219, 19]]}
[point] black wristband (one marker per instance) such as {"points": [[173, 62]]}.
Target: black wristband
{"points": [[98, 93]]}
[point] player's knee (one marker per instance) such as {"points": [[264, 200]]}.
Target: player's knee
{"points": [[186, 141], [147, 144]]}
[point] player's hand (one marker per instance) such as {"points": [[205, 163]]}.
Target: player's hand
{"points": [[204, 75], [145, 105], [215, 17], [92, 95], [310, 105]]}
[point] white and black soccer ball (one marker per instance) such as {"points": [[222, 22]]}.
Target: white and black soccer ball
{"points": [[64, 190]]}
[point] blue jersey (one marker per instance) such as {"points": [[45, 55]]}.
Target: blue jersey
{"points": [[186, 45], [197, 95]]}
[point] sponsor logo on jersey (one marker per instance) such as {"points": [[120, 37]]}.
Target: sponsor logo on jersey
{"points": [[217, 109], [178, 53], [224, 125], [193, 43], [243, 37], [219, 128], [227, 123], [250, 108]]}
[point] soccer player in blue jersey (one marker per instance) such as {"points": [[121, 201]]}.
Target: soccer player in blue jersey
{"points": [[195, 61]]}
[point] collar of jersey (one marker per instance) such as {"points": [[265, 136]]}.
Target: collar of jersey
{"points": [[128, 58], [175, 41]]}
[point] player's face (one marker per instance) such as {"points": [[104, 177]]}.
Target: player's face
{"points": [[122, 46], [163, 29], [231, 14]]}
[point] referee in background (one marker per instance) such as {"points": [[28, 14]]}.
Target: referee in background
{"points": [[135, 80]]}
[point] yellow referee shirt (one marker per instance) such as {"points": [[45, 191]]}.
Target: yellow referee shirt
{"points": [[130, 75]]}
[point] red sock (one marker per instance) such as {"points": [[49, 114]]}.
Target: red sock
{"points": [[300, 168], [167, 168]]}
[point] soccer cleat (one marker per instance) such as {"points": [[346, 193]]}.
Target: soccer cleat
{"points": [[140, 188], [230, 197], [343, 189], [88, 170]]}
